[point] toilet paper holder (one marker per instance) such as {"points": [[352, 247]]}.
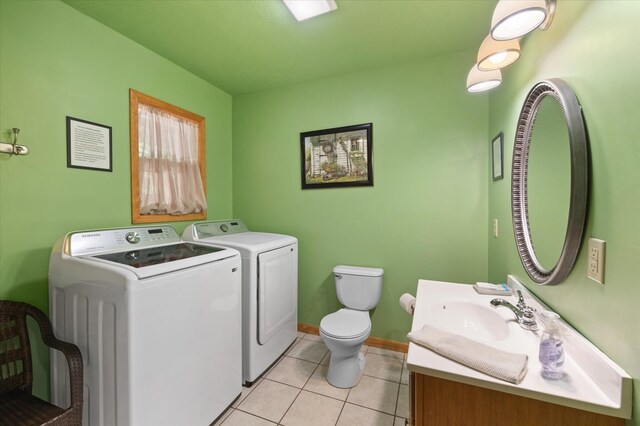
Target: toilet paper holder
{"points": [[408, 303]]}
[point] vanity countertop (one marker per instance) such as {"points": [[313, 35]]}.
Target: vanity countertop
{"points": [[592, 382]]}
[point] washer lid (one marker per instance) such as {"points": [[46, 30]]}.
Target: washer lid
{"points": [[346, 324], [151, 261], [149, 256]]}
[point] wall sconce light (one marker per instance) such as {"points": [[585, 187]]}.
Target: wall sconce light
{"points": [[14, 148], [495, 54], [511, 19], [515, 18], [479, 81], [305, 9]]}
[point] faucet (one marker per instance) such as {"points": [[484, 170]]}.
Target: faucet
{"points": [[523, 312], [521, 303]]}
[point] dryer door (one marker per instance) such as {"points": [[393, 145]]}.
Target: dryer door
{"points": [[277, 291]]}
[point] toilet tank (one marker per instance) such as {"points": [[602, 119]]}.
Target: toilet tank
{"points": [[358, 287]]}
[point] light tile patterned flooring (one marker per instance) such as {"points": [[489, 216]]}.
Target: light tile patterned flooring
{"points": [[295, 391]]}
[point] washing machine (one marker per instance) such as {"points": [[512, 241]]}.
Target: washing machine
{"points": [[269, 289], [157, 321]]}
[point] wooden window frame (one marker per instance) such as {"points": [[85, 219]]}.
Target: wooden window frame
{"points": [[136, 98]]}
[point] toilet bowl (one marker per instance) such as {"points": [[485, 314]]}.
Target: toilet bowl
{"points": [[344, 331]]}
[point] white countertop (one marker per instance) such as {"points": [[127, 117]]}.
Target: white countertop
{"points": [[592, 382]]}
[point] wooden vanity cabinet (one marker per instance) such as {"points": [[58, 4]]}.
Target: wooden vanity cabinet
{"points": [[440, 402]]}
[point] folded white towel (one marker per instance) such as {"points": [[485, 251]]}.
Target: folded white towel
{"points": [[494, 362]]}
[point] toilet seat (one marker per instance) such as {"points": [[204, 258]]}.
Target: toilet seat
{"points": [[346, 324]]}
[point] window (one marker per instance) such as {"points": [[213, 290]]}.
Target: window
{"points": [[167, 161]]}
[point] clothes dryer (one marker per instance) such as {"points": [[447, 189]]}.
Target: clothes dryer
{"points": [[157, 321], [269, 285]]}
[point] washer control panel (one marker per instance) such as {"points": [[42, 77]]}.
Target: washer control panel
{"points": [[101, 241], [218, 228]]}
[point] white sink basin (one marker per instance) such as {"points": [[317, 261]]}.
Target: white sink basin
{"points": [[468, 319], [592, 381]]}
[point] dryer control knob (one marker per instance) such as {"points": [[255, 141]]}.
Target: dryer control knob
{"points": [[132, 237], [224, 227]]}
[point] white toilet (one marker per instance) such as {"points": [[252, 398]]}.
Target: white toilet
{"points": [[343, 332]]}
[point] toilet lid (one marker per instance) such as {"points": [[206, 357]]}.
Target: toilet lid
{"points": [[346, 324]]}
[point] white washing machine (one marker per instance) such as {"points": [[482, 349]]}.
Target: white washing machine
{"points": [[157, 321], [269, 286]]}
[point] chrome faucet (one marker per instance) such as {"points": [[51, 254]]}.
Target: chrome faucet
{"points": [[521, 303], [523, 312]]}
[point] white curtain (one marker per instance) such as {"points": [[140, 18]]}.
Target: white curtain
{"points": [[170, 181]]}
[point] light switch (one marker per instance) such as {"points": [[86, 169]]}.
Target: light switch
{"points": [[495, 228], [595, 263]]}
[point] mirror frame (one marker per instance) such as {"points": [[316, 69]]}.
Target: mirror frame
{"points": [[568, 101], [136, 98]]}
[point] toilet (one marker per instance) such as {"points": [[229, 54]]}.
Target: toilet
{"points": [[345, 331]]}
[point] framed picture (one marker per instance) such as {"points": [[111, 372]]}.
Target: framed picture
{"points": [[338, 157], [496, 150], [88, 145]]}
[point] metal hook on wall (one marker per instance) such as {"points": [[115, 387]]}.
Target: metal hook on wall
{"points": [[13, 148]]}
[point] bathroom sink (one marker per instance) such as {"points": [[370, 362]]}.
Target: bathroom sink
{"points": [[592, 381], [469, 320]]}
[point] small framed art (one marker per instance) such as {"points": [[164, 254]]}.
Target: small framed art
{"points": [[496, 150]]}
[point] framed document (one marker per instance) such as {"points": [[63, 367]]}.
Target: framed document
{"points": [[88, 145]]}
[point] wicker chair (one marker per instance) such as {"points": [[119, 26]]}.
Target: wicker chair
{"points": [[17, 405]]}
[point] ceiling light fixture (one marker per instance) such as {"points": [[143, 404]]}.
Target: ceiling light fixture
{"points": [[305, 9], [515, 18], [495, 54], [479, 81]]}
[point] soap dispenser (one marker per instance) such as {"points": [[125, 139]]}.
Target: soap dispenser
{"points": [[551, 349]]}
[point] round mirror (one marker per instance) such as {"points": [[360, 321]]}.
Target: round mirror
{"points": [[549, 181]]}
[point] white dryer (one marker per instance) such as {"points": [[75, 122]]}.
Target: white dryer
{"points": [[157, 321], [269, 285]]}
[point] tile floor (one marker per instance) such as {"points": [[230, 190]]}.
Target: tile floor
{"points": [[295, 391]]}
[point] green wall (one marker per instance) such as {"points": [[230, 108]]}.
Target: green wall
{"points": [[592, 45], [57, 62], [425, 216]]}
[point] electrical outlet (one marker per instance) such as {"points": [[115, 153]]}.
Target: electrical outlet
{"points": [[595, 263]]}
